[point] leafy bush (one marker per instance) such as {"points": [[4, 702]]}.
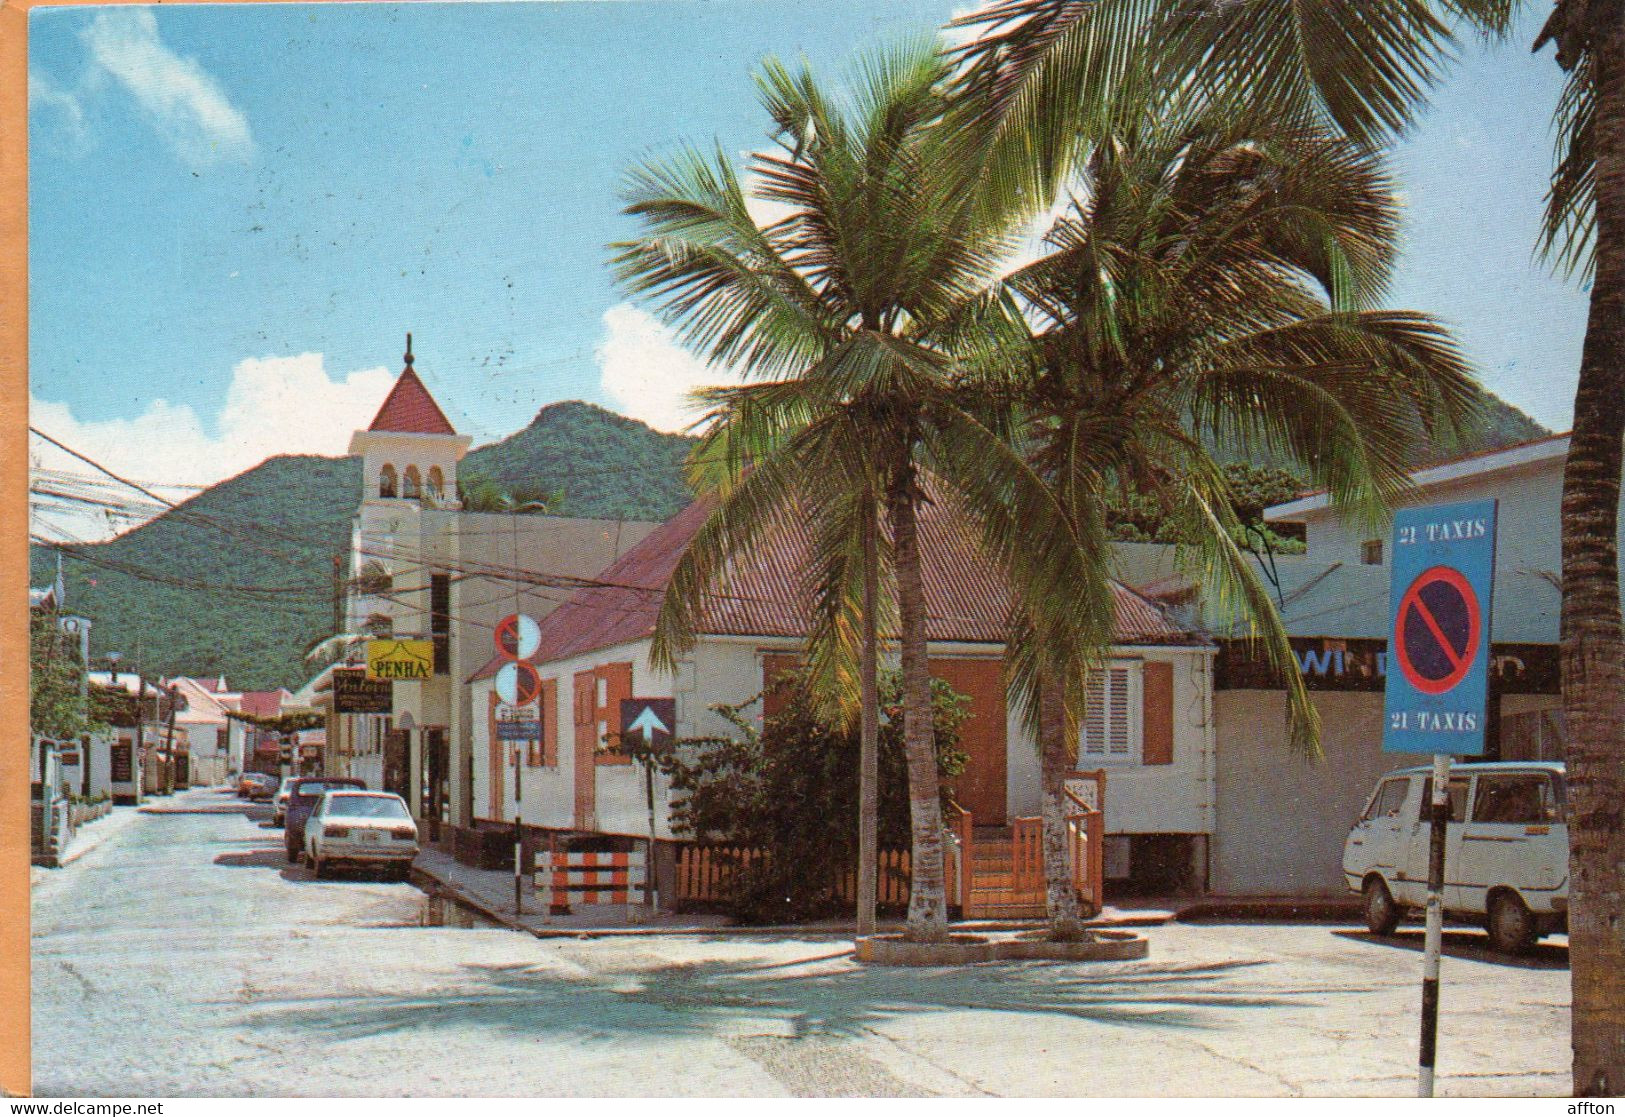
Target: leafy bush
{"points": [[790, 789]]}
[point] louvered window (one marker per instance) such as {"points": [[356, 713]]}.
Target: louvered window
{"points": [[1110, 733]]}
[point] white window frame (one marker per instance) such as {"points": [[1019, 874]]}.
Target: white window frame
{"points": [[1127, 676]]}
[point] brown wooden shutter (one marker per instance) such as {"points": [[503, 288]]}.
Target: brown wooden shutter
{"points": [[584, 711], [617, 685], [1157, 728], [774, 692], [496, 792], [549, 709]]}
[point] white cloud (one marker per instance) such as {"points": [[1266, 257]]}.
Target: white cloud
{"points": [[46, 98], [647, 373], [182, 101], [275, 405]]}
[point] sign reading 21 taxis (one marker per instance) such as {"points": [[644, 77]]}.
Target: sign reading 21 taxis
{"points": [[1439, 629]]}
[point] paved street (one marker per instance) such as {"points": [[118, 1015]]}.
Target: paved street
{"points": [[182, 956]]}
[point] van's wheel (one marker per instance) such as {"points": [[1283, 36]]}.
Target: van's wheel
{"points": [[1381, 913], [1511, 924]]}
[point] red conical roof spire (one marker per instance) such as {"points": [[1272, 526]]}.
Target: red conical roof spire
{"points": [[409, 408]]}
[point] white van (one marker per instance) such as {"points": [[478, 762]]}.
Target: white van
{"points": [[1506, 860]]}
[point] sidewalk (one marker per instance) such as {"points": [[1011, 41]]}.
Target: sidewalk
{"points": [[490, 893], [86, 838]]}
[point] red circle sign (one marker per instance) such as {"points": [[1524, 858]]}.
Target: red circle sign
{"points": [[1436, 630]]}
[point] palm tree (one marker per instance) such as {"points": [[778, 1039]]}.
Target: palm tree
{"points": [[1053, 71], [860, 317], [1212, 285]]}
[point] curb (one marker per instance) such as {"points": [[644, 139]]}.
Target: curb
{"points": [[455, 892]]}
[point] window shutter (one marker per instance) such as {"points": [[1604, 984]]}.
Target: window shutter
{"points": [[1110, 729], [548, 709], [617, 685], [1157, 685]]}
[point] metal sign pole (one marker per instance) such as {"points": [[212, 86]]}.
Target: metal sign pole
{"points": [[518, 834], [1440, 805]]}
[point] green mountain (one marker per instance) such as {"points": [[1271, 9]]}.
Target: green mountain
{"points": [[240, 579]]}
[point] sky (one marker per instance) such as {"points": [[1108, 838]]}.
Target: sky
{"points": [[238, 212]]}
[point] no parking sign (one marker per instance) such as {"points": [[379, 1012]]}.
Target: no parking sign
{"points": [[1439, 629]]}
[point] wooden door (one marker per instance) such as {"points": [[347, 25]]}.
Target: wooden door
{"points": [[497, 792], [981, 787], [583, 710]]}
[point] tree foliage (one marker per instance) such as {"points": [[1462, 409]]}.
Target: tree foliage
{"points": [[56, 708]]}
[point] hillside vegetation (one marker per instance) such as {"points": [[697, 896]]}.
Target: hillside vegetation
{"points": [[240, 579]]}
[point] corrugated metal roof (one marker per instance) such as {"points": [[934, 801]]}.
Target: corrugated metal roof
{"points": [[765, 593]]}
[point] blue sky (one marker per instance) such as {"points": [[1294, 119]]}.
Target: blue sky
{"points": [[237, 212]]}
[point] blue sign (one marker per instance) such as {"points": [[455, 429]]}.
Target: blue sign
{"points": [[1439, 629]]}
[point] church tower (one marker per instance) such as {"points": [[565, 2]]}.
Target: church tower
{"points": [[411, 451]]}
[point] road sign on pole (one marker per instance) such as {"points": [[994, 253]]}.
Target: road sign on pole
{"points": [[1436, 697], [517, 636], [1439, 647]]}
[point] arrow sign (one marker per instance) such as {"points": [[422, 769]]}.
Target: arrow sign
{"points": [[652, 718]]}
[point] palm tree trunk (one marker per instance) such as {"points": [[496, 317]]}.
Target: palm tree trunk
{"points": [[869, 730], [928, 897], [1055, 765], [1593, 644]]}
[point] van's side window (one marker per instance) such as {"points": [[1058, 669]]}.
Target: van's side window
{"points": [[1458, 798], [1521, 798], [1388, 802]]}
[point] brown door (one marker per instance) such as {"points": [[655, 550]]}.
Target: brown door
{"points": [[980, 788], [497, 794], [584, 708]]}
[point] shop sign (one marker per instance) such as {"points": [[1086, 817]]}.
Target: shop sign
{"points": [[1346, 664], [400, 660], [355, 693]]}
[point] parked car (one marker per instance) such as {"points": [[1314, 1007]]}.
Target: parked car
{"points": [[1506, 850], [361, 828], [279, 805], [303, 795], [259, 786]]}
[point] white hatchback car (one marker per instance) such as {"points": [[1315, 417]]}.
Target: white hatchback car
{"points": [[1506, 850], [361, 828]]}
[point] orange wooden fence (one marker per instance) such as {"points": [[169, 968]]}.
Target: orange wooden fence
{"points": [[703, 873]]}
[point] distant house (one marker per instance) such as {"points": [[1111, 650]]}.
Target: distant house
{"points": [[203, 714]]}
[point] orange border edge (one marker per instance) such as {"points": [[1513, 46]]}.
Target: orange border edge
{"points": [[15, 1048]]}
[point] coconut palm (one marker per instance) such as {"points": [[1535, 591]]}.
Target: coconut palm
{"points": [[1052, 71], [1212, 284], [859, 319]]}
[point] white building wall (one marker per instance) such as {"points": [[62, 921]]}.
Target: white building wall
{"points": [[1176, 798], [1282, 819]]}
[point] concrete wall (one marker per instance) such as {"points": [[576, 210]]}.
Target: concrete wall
{"points": [[1281, 820]]}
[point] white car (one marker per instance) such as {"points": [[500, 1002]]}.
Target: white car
{"points": [[1506, 850], [279, 803], [361, 828]]}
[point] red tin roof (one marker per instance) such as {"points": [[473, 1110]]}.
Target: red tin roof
{"points": [[764, 594], [410, 409]]}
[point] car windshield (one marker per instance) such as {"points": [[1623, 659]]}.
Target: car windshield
{"points": [[366, 806], [312, 789]]}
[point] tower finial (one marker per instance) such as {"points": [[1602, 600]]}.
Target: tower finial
{"points": [[408, 350]]}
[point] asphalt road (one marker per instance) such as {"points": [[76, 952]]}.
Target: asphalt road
{"points": [[183, 957]]}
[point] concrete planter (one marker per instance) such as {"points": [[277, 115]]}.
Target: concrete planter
{"points": [[894, 950], [1106, 946], [960, 950]]}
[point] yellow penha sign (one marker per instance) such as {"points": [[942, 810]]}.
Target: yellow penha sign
{"points": [[400, 659]]}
